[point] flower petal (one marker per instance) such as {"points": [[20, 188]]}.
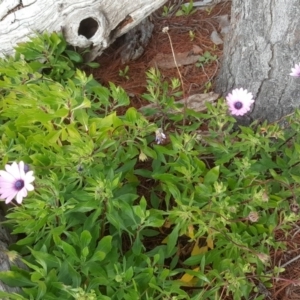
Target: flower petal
{"points": [[29, 177], [29, 187], [6, 184], [296, 71], [10, 197], [19, 197], [13, 169], [21, 170], [7, 176]]}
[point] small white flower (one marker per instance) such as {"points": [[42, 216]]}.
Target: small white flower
{"points": [[159, 136], [165, 29], [253, 216], [263, 257], [142, 156]]}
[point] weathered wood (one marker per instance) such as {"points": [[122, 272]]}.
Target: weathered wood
{"points": [[136, 40], [259, 52], [90, 23]]}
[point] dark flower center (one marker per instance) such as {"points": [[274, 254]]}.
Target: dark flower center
{"points": [[238, 105], [19, 184]]}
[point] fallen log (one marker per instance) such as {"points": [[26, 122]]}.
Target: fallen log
{"points": [[92, 24]]}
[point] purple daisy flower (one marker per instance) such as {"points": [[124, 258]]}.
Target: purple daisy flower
{"points": [[296, 71], [15, 182], [239, 101]]}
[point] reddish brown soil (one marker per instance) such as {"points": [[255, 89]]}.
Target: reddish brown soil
{"points": [[202, 23]]}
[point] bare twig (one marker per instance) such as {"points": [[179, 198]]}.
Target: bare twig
{"points": [[165, 30], [290, 261]]}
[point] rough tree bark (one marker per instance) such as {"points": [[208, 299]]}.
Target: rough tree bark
{"points": [[85, 23], [259, 51]]}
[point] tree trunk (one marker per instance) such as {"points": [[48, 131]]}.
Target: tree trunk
{"points": [[259, 52], [90, 23]]}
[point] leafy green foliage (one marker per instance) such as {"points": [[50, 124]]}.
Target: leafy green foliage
{"points": [[162, 95], [113, 214], [124, 73], [49, 54], [186, 9], [206, 58], [167, 10]]}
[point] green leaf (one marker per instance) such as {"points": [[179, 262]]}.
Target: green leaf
{"points": [[93, 65], [98, 256], [212, 175], [16, 278], [52, 137], [127, 166], [137, 246], [27, 240], [105, 244], [74, 56], [85, 206], [103, 248], [194, 260], [69, 250], [131, 115], [82, 117], [296, 178], [11, 296], [166, 178], [172, 240], [86, 103], [47, 261], [85, 239], [42, 289], [120, 97], [179, 13], [74, 275], [85, 252], [128, 274]]}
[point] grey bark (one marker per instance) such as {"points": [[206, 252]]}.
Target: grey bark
{"points": [[136, 40], [259, 52]]}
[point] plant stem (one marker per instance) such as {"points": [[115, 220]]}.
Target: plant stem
{"points": [[165, 30]]}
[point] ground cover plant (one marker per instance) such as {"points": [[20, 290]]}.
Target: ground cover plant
{"points": [[131, 205]]}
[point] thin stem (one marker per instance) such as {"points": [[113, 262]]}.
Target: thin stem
{"points": [[290, 261], [165, 30], [102, 228]]}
